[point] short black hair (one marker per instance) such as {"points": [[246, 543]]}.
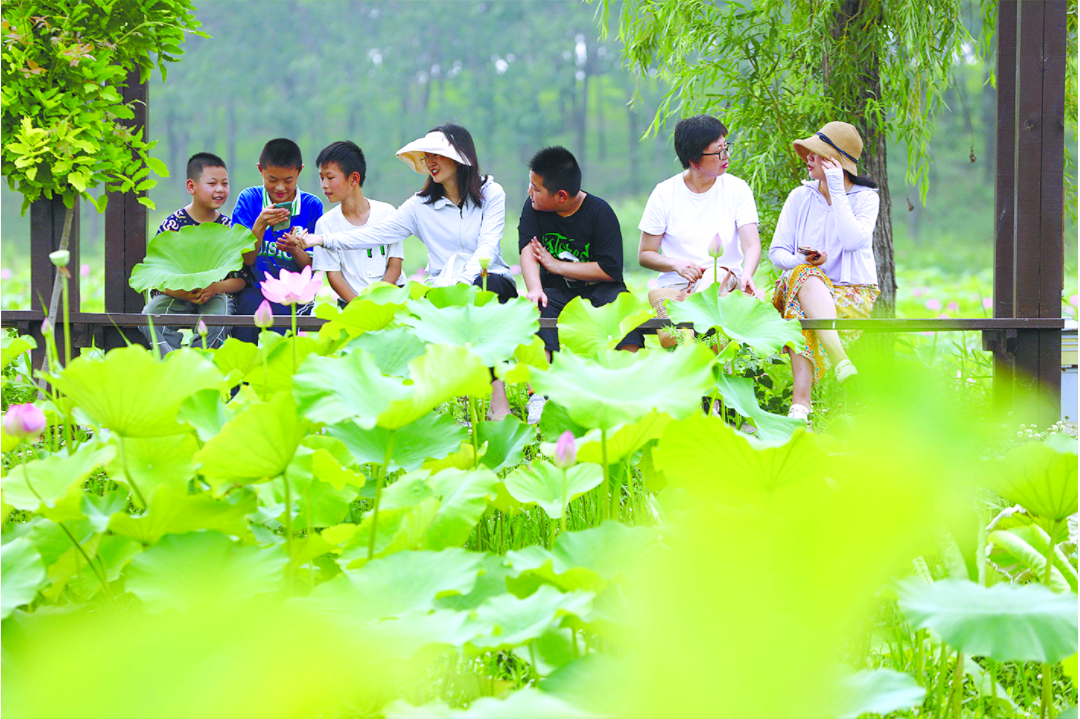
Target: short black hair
{"points": [[281, 152], [558, 170], [347, 156], [199, 162], [694, 134]]}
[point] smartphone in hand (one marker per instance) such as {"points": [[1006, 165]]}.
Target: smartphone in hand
{"points": [[283, 225]]}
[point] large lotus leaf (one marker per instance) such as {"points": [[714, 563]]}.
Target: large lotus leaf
{"points": [[171, 513], [463, 499], [23, 573], [316, 502], [358, 317], [431, 436], [704, 453], [399, 530], [132, 393], [744, 319], [585, 330], [609, 550], [505, 440], [464, 458], [525, 357], [442, 373], [191, 257], [235, 358], [555, 420], [399, 583], [256, 445], [206, 413], [878, 691], [44, 481], [99, 510], [623, 442], [12, 347], [146, 462], [506, 621], [334, 389], [738, 394], [490, 582], [491, 331], [1041, 477], [551, 488], [588, 682], [392, 349], [203, 568], [1006, 622], [623, 387], [281, 365], [114, 553], [458, 295], [527, 703], [1022, 550]]}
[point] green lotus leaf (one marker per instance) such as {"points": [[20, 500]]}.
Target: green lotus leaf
{"points": [[622, 387], [399, 530], [191, 257], [555, 420], [542, 484], [744, 319], [506, 621], [112, 552], [431, 436], [491, 331], [23, 573], [585, 330], [134, 394], [358, 317], [40, 482], [622, 443], [458, 295], [1005, 622], [206, 413], [443, 373], [203, 568], [1041, 477], [609, 550], [345, 387], [398, 584], [704, 453], [315, 501], [171, 513], [12, 347], [590, 682], [1022, 550], [526, 356], [329, 468], [392, 349], [146, 462], [99, 511], [463, 498], [549, 651], [527, 703], [255, 445], [235, 358], [738, 394], [490, 582], [281, 365], [505, 441], [877, 691]]}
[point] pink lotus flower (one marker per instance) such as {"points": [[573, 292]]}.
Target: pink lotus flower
{"points": [[84, 270], [1073, 300], [918, 292], [716, 247], [290, 288], [515, 269], [264, 316], [953, 307], [988, 303], [201, 328], [24, 420], [652, 284], [933, 305], [5, 274], [565, 450]]}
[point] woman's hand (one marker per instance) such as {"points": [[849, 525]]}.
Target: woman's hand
{"points": [[813, 257], [689, 271], [831, 168]]}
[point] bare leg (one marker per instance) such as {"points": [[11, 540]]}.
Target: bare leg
{"points": [[818, 304], [628, 348], [802, 375], [500, 405]]}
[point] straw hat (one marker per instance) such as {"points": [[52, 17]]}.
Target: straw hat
{"points": [[433, 143], [837, 140]]}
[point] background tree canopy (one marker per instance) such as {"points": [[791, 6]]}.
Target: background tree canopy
{"points": [[520, 76]]}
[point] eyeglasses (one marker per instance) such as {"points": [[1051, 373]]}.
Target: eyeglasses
{"points": [[723, 153]]}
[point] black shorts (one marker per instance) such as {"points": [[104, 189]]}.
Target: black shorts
{"points": [[599, 294], [501, 285]]}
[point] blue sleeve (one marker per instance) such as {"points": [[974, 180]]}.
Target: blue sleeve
{"points": [[248, 207]]}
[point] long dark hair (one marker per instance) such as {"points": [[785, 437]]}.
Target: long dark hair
{"points": [[469, 180], [860, 180]]}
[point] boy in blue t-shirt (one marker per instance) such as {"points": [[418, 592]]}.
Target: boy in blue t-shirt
{"points": [[270, 211]]}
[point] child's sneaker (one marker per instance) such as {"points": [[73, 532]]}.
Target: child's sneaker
{"points": [[799, 411], [845, 370], [535, 408]]}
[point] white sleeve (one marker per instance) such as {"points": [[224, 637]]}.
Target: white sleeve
{"points": [[492, 221], [782, 248], [322, 258], [397, 250], [654, 219], [854, 226], [394, 228], [745, 207]]}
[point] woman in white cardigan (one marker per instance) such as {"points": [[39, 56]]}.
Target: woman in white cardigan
{"points": [[824, 244]]}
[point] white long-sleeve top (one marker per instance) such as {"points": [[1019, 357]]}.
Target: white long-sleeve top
{"points": [[843, 230], [443, 227]]}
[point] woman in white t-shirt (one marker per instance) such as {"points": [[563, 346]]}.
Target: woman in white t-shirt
{"points": [[700, 206]]}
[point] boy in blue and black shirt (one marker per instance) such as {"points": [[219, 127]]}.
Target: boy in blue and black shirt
{"points": [[257, 208]]}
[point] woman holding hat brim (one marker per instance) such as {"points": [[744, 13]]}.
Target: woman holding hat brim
{"points": [[824, 244], [458, 215]]}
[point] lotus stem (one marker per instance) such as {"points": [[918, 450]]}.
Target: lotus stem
{"points": [[1047, 710], [288, 520], [607, 475], [131, 482], [378, 494], [474, 415], [67, 351], [565, 509], [292, 309], [958, 685]]}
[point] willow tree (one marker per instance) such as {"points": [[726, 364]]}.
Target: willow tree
{"points": [[774, 71]]}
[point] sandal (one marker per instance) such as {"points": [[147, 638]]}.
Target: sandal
{"points": [[845, 370], [799, 411]]}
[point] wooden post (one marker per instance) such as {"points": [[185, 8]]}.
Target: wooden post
{"points": [[46, 229], [125, 226]]}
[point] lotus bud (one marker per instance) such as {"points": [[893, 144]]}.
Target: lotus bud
{"points": [[46, 328], [264, 316], [60, 258], [566, 450], [201, 328], [24, 420], [716, 247]]}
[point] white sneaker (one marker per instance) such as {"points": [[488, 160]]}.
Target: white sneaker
{"points": [[845, 370], [535, 408], [799, 411]]}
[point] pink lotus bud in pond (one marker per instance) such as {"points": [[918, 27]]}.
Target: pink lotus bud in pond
{"points": [[264, 316], [46, 328], [933, 305], [24, 420], [201, 328], [290, 288], [84, 270], [565, 450], [716, 247]]}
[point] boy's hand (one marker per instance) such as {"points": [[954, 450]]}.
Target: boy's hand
{"points": [[272, 216], [545, 258], [537, 297], [746, 284], [207, 292]]}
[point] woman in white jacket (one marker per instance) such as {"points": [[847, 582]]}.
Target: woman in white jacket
{"points": [[824, 244]]}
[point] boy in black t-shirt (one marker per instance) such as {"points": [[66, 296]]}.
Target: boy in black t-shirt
{"points": [[570, 242]]}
